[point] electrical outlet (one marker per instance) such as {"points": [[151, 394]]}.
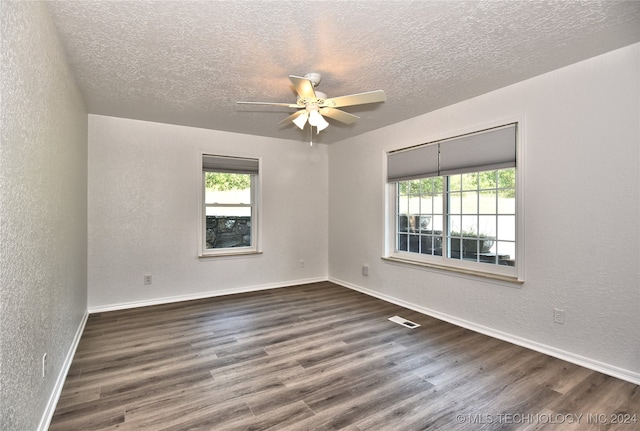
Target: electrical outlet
{"points": [[301, 263], [44, 365], [147, 279], [558, 316], [365, 269]]}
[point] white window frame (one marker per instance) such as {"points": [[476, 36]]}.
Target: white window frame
{"points": [[256, 240], [513, 274]]}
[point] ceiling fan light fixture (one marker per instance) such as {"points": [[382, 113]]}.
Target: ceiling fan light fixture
{"points": [[322, 124], [301, 120], [315, 118]]}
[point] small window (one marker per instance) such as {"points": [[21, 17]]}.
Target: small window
{"points": [[454, 204], [230, 205]]}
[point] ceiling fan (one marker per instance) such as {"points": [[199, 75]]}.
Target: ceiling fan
{"points": [[312, 106]]}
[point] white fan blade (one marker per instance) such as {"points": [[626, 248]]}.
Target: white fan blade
{"points": [[303, 87], [336, 114], [289, 105], [356, 99], [293, 116]]}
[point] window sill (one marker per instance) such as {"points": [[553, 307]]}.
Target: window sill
{"points": [[482, 274], [229, 254]]}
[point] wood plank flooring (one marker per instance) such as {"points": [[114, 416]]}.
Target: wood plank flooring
{"points": [[321, 357]]}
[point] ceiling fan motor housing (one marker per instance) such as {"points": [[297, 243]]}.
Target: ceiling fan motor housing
{"points": [[314, 77]]}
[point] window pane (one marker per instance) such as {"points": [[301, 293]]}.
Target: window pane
{"points": [[470, 249], [403, 204], [403, 188], [403, 223], [507, 228], [487, 225], [438, 185], [437, 222], [486, 244], [469, 226], [426, 186], [228, 197], [489, 245], [414, 204], [437, 245], [226, 231], [488, 258], [414, 187], [506, 205], [403, 242], [470, 181], [438, 207], [228, 211], [469, 202], [426, 244], [426, 204], [455, 247], [506, 253], [455, 225], [425, 222], [414, 243], [455, 182], [455, 206], [487, 202], [507, 178], [487, 180], [227, 188], [414, 223]]}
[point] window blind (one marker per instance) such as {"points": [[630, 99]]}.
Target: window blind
{"points": [[481, 151], [229, 165], [413, 163]]}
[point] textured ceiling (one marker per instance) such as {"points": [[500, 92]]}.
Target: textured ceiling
{"points": [[188, 62]]}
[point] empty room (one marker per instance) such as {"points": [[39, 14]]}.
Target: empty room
{"points": [[320, 215]]}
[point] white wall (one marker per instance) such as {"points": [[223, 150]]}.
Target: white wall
{"points": [[582, 216], [144, 191], [43, 212]]}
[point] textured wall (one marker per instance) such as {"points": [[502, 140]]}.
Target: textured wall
{"points": [[43, 180], [144, 193], [582, 191]]}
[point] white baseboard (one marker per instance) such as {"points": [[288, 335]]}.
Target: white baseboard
{"points": [[45, 421], [200, 295], [592, 364]]}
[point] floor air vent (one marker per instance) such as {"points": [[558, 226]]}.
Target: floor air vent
{"points": [[404, 322]]}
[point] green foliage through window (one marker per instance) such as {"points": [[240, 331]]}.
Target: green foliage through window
{"points": [[487, 180], [224, 181], [426, 186]]}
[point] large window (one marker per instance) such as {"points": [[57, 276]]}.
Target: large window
{"points": [[230, 205], [454, 203]]}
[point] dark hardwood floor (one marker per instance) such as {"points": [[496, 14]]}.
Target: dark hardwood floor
{"points": [[318, 357]]}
